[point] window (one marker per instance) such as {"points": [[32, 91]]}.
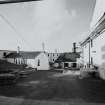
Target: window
{"points": [[74, 65], [66, 65], [38, 62], [4, 54]]}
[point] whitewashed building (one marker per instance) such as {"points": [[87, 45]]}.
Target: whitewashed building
{"points": [[93, 46], [42, 62], [38, 60]]}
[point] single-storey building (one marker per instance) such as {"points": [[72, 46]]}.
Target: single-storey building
{"points": [[38, 60], [67, 60]]}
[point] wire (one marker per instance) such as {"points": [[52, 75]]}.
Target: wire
{"points": [[15, 1], [17, 32]]}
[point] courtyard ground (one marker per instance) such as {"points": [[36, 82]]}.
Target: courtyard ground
{"points": [[54, 88]]}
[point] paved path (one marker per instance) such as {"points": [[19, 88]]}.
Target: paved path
{"points": [[44, 85]]}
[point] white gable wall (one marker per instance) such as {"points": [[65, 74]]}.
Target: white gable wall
{"points": [[43, 61]]}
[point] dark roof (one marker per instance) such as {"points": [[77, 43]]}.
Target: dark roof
{"points": [[30, 55], [12, 55], [68, 57], [25, 55]]}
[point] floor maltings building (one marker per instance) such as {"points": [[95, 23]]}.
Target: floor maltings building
{"points": [[93, 46]]}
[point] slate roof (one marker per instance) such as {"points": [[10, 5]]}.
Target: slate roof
{"points": [[68, 57], [25, 55]]}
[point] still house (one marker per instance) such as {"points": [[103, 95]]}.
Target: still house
{"points": [[93, 47], [67, 60], [38, 60]]}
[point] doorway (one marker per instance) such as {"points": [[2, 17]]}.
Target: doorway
{"points": [[74, 65], [66, 65]]}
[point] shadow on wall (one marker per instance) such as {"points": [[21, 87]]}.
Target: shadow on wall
{"points": [[103, 55], [103, 48]]}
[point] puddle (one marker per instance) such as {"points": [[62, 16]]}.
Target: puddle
{"points": [[34, 82], [31, 83], [38, 82], [23, 84]]}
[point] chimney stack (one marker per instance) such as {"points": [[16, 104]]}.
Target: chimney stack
{"points": [[74, 47]]}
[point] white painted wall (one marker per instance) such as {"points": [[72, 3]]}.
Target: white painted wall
{"points": [[31, 63], [98, 12], [11, 60], [99, 42], [98, 50], [86, 54], [44, 63], [99, 56]]}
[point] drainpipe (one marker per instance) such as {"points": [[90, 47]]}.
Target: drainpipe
{"points": [[89, 54]]}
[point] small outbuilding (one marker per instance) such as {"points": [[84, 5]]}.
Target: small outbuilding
{"points": [[67, 60]]}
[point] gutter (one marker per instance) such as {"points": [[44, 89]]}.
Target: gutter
{"points": [[99, 28]]}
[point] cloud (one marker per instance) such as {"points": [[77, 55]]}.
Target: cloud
{"points": [[73, 13], [53, 20]]}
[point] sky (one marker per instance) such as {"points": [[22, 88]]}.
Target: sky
{"points": [[56, 23]]}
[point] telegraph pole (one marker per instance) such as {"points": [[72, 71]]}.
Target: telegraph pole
{"points": [[43, 47]]}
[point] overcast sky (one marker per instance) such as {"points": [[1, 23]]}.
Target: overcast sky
{"points": [[57, 23]]}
